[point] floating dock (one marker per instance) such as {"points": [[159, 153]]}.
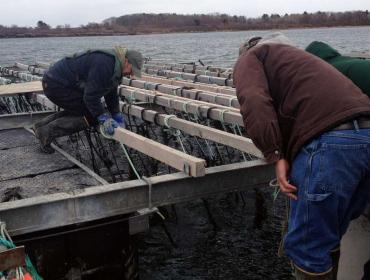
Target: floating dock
{"points": [[184, 140]]}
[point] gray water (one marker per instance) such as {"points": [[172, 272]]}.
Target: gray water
{"points": [[217, 48]]}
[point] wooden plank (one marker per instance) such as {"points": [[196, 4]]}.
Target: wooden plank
{"points": [[184, 91], [194, 129], [13, 89], [206, 87], [42, 64], [184, 99], [30, 68], [209, 68], [191, 165], [204, 109], [12, 258]]}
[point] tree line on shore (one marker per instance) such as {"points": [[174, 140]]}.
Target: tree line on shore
{"points": [[166, 23]]}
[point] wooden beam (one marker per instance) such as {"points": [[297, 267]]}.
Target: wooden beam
{"points": [[42, 64], [192, 166], [19, 88], [206, 87], [24, 76], [194, 129], [199, 102], [204, 109], [32, 69], [192, 77], [184, 91], [12, 258], [184, 66]]}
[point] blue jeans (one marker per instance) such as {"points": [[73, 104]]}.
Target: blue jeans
{"points": [[332, 174]]}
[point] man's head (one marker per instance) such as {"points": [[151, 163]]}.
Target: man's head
{"points": [[131, 61], [251, 42], [136, 60], [272, 38]]}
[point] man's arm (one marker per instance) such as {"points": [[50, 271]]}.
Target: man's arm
{"points": [[98, 82], [112, 101], [256, 106], [260, 118]]}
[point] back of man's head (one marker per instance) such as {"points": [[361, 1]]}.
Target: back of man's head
{"points": [[136, 59], [271, 38]]}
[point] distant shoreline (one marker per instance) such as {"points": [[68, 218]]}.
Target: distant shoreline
{"points": [[102, 34]]}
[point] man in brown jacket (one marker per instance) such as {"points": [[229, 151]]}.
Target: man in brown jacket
{"points": [[314, 125]]}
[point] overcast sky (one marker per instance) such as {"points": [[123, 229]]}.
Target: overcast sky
{"points": [[77, 12]]}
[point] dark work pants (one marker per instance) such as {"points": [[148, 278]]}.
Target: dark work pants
{"points": [[70, 99]]}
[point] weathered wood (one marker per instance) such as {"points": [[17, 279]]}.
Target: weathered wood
{"points": [[77, 162], [192, 77], [184, 99], [202, 109], [191, 165], [13, 89], [32, 69], [194, 67], [194, 129], [184, 91], [24, 76], [42, 64], [206, 87], [12, 258]]}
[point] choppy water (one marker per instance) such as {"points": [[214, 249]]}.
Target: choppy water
{"points": [[213, 48]]}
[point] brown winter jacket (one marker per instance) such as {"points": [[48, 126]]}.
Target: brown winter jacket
{"points": [[287, 97]]}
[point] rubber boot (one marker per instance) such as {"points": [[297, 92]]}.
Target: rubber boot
{"points": [[301, 275], [63, 126]]}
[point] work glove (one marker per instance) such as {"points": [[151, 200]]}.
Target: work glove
{"points": [[120, 119], [107, 124]]}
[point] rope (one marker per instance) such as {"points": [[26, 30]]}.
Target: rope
{"points": [[185, 106], [231, 101], [215, 97], [6, 241], [167, 118], [175, 132], [274, 183], [222, 113]]}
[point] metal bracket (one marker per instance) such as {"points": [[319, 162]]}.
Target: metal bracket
{"points": [[186, 168], [12, 258]]}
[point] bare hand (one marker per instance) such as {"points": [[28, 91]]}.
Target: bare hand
{"points": [[282, 174]]}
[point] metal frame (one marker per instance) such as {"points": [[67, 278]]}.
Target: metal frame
{"points": [[20, 120], [61, 209]]}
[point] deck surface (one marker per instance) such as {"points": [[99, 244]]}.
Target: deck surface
{"points": [[25, 171]]}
